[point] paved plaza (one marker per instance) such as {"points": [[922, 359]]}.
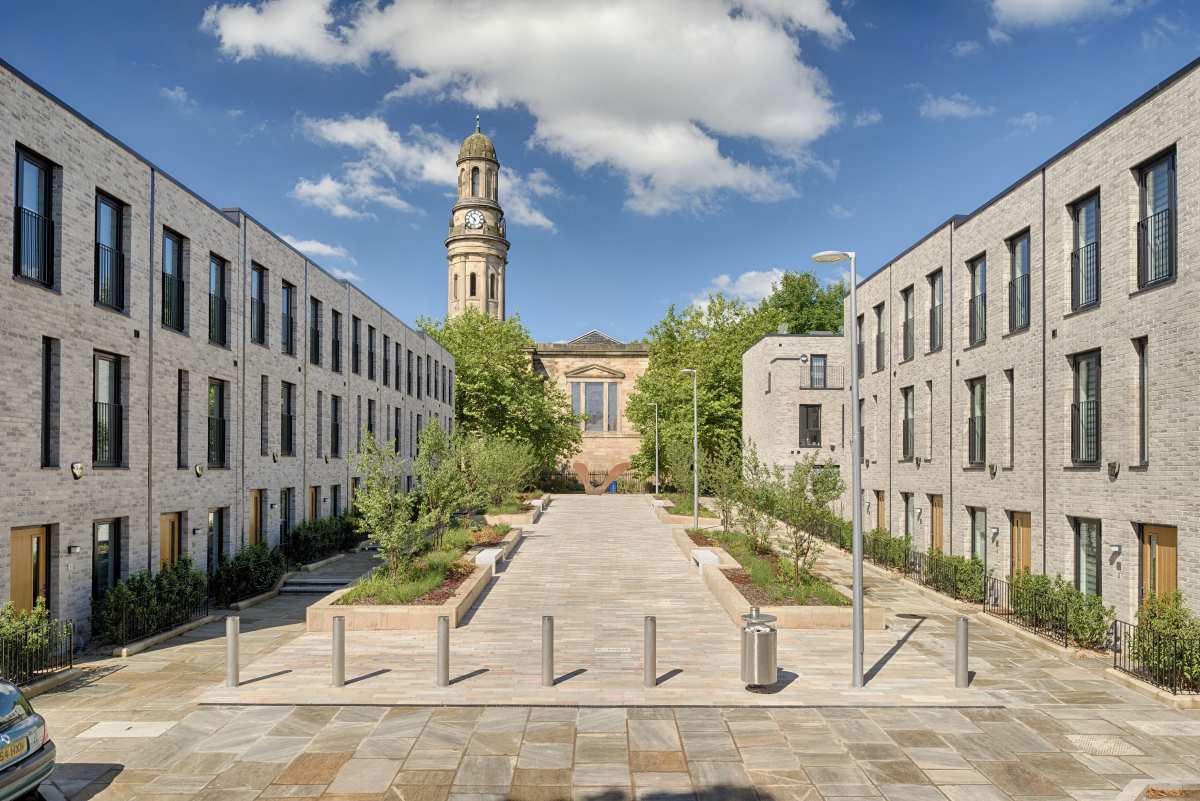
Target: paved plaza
{"points": [[1035, 724]]}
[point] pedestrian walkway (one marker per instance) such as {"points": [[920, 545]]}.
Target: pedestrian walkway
{"points": [[599, 565]]}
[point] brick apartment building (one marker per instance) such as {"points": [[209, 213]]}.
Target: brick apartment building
{"points": [[177, 378], [1029, 370]]}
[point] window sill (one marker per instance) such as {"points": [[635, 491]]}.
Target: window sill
{"points": [[23, 279], [1141, 290], [1083, 467], [932, 351], [178, 331], [1016, 332], [112, 309], [100, 467], [1141, 467], [975, 345], [974, 468], [1081, 310], [906, 361], [221, 345]]}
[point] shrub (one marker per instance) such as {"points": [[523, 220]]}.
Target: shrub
{"points": [[459, 539], [251, 571], [147, 603], [1167, 643], [490, 535], [954, 575], [29, 629], [314, 540], [496, 468], [1040, 600], [1089, 621], [884, 549]]}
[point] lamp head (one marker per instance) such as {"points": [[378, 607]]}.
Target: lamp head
{"points": [[688, 370], [831, 256]]}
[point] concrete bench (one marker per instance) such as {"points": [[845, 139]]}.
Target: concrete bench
{"points": [[489, 556], [704, 557]]}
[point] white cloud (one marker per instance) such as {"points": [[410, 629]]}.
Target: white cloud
{"points": [[998, 36], [840, 212], [1161, 31], [234, 112], [1038, 13], [344, 275], [964, 48], [1028, 122], [177, 95], [956, 106], [648, 90], [751, 286], [867, 116], [388, 161], [319, 249]]}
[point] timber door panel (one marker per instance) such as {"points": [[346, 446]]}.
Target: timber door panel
{"points": [[255, 534], [936, 523], [314, 503], [168, 539], [1020, 556], [30, 569], [1159, 555], [880, 510]]}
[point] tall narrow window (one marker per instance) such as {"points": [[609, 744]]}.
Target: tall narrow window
{"points": [[399, 361], [335, 426], [258, 305], [370, 353], [419, 363], [977, 307], [287, 316], [428, 375], [320, 424], [437, 387], [314, 331], [287, 419], [593, 406], [387, 349], [218, 312], [936, 292], [979, 535], [110, 256], [880, 339], [409, 373], [33, 227], [909, 523], [910, 333], [474, 182], [1087, 556], [106, 550], [1143, 353], [818, 377], [1010, 423], [471, 285], [1156, 228], [810, 425], [172, 281], [51, 398], [286, 499], [397, 419], [335, 500], [371, 418], [264, 419], [107, 412], [1085, 411], [859, 345], [181, 408], [1085, 255], [1018, 284], [358, 437], [216, 539], [217, 424], [335, 342], [908, 429], [977, 422], [576, 403], [355, 345]]}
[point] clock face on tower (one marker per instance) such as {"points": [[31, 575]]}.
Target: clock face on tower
{"points": [[474, 219]]}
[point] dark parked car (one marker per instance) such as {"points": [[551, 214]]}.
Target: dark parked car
{"points": [[26, 752]]}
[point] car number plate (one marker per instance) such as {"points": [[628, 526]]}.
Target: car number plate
{"points": [[14, 749]]}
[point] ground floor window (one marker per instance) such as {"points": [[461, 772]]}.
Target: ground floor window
{"points": [[1087, 556], [909, 511], [216, 539], [335, 494], [106, 535], [978, 519]]}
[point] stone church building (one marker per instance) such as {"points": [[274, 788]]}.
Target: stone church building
{"points": [[596, 371]]}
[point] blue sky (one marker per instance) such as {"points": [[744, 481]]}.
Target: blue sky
{"points": [[654, 150]]}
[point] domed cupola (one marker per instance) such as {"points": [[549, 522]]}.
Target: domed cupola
{"points": [[477, 146]]}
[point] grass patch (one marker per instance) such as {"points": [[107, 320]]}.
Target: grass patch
{"points": [[682, 503], [426, 578], [511, 506], [764, 581]]}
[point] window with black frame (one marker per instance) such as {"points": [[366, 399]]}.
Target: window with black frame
{"points": [[287, 317], [110, 256], [1018, 284], [107, 412], [1085, 409], [977, 422], [977, 306], [908, 428], [909, 325], [1156, 226], [1085, 255], [810, 425], [216, 540], [218, 306], [33, 224], [106, 554], [217, 424], [935, 311], [817, 371], [258, 305], [173, 282], [1087, 556]]}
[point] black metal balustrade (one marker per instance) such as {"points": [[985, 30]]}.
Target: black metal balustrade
{"points": [[33, 248], [1043, 615], [335, 438], [25, 658], [106, 434], [909, 333], [1085, 276], [140, 622], [288, 331], [286, 426], [1167, 662], [258, 322], [1018, 303], [976, 439], [907, 437], [172, 301], [978, 318], [1156, 247], [110, 277], [216, 442], [218, 327], [354, 358], [816, 376], [314, 343], [1084, 432], [935, 327], [336, 354]]}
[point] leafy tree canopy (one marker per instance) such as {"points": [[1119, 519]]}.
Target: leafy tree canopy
{"points": [[496, 392]]}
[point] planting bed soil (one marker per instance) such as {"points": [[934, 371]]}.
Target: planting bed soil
{"points": [[441, 594], [759, 596], [703, 540]]}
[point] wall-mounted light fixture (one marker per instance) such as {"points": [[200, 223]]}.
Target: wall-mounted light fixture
{"points": [[76, 470], [1115, 548], [1114, 469], [992, 469], [917, 461], [195, 532], [199, 470], [920, 512], [73, 549], [274, 456], [995, 532]]}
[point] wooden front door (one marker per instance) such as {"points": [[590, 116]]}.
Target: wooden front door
{"points": [[30, 566], [169, 539], [255, 534], [880, 510], [936, 525], [1159, 570], [314, 503], [1020, 557]]}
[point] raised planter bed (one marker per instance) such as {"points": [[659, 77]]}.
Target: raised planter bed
{"points": [[527, 517], [417, 615]]}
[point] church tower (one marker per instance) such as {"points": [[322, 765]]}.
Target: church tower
{"points": [[476, 250]]}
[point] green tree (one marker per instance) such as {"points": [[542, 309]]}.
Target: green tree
{"points": [[723, 474], [800, 303], [439, 478], [384, 513], [802, 499], [495, 468], [755, 501], [496, 392]]}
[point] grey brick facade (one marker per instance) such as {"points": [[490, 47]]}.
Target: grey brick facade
{"points": [[166, 463], [1027, 361]]}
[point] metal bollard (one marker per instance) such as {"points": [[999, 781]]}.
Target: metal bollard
{"points": [[443, 651], [232, 626], [650, 652], [962, 677], [339, 651], [547, 650]]}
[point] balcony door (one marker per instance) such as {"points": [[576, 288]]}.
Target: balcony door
{"points": [[936, 524], [30, 572], [1159, 560], [170, 545], [1020, 557]]}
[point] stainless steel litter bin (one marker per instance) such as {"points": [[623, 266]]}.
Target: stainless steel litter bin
{"points": [[760, 642]]}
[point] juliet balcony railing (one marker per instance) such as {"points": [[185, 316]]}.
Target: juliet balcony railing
{"points": [[110, 277], [1085, 432], [976, 440], [906, 434], [1156, 247], [288, 332], [820, 377], [107, 434], [909, 332], [216, 442], [1085, 276], [1018, 303], [287, 423], [978, 318], [33, 250], [335, 354], [172, 301], [218, 320], [314, 344], [935, 327], [258, 322]]}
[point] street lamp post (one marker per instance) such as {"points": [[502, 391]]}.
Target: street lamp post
{"points": [[856, 445], [655, 448], [695, 449]]}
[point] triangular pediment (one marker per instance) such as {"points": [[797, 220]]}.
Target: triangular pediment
{"points": [[594, 371], [595, 337]]}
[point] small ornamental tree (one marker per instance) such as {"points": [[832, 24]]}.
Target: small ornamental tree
{"points": [[723, 475], [497, 467], [755, 502], [802, 500], [677, 458], [384, 512], [443, 487]]}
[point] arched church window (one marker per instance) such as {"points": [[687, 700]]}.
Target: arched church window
{"points": [[472, 286], [474, 182]]}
